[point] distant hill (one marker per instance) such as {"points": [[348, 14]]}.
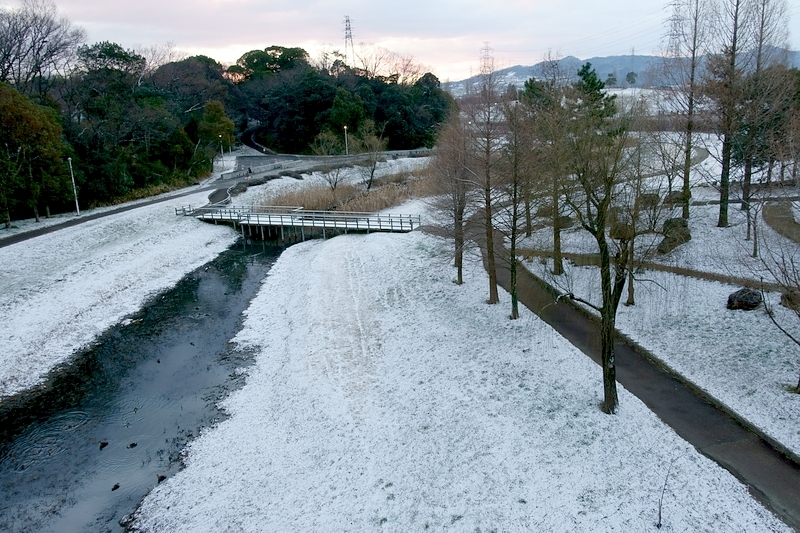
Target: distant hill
{"points": [[644, 66]]}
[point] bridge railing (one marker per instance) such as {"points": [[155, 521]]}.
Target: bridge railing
{"points": [[334, 219], [189, 210], [297, 216]]}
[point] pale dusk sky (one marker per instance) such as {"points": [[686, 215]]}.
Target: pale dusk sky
{"points": [[444, 35]]}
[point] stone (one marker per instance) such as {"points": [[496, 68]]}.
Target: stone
{"points": [[613, 215], [674, 198], [545, 211], [565, 222], [676, 232], [621, 231], [745, 299], [648, 200], [790, 298]]}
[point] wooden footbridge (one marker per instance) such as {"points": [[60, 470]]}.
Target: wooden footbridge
{"points": [[291, 223]]}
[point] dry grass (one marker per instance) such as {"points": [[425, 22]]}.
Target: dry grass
{"points": [[386, 192], [315, 198], [377, 199]]}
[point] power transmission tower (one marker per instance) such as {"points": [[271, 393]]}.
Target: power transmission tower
{"points": [[348, 41]]}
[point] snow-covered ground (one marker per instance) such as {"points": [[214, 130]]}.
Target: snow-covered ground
{"points": [[738, 357], [385, 397]]}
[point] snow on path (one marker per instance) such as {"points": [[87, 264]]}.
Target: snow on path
{"points": [[385, 397], [59, 291]]}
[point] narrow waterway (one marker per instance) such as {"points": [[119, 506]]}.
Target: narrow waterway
{"points": [[81, 454]]}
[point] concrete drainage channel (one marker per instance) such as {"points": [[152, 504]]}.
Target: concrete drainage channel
{"points": [[80, 453]]}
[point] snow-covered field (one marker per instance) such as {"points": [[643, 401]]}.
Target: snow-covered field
{"points": [[385, 397]]}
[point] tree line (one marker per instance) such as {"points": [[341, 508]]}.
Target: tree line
{"points": [[137, 122], [563, 152]]}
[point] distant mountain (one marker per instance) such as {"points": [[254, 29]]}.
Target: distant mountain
{"points": [[645, 67]]}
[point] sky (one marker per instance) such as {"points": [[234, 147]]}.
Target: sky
{"points": [[445, 36]]}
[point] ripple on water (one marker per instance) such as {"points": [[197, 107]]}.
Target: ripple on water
{"points": [[45, 440], [139, 409]]}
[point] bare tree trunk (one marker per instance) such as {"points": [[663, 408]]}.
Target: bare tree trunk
{"points": [[558, 261], [489, 228], [611, 295], [528, 218], [724, 183], [755, 233], [631, 300], [513, 274], [746, 183], [459, 245]]}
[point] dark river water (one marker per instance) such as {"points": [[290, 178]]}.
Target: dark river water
{"points": [[81, 453]]}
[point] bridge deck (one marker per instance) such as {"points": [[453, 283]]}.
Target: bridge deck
{"points": [[297, 217]]}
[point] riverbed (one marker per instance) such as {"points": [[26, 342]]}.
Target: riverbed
{"points": [[80, 452]]}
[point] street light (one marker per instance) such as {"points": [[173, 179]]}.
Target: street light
{"points": [[221, 152], [346, 150], [74, 190]]}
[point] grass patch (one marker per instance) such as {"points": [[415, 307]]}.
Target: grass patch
{"points": [[386, 192], [153, 190]]}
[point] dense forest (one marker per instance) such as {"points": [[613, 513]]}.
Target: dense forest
{"points": [[130, 123]]}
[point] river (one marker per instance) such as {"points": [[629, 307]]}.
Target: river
{"points": [[80, 453]]}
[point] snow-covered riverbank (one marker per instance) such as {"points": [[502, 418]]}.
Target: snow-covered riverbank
{"points": [[385, 397], [59, 291]]}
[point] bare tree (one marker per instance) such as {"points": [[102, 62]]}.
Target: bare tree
{"points": [[550, 119], [158, 55], [724, 85], [34, 43], [452, 182], [484, 119], [687, 42], [783, 264], [371, 144], [515, 169], [406, 68], [328, 143], [374, 61]]}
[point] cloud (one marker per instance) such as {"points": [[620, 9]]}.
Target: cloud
{"points": [[447, 34]]}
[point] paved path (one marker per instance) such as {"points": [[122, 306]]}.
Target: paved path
{"points": [[772, 477]]}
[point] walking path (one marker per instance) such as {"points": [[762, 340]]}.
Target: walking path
{"points": [[771, 473]]}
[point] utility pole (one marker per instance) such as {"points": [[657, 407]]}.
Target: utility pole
{"points": [[74, 190]]}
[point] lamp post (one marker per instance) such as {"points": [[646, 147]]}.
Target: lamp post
{"points": [[74, 190], [346, 150], [221, 152]]}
